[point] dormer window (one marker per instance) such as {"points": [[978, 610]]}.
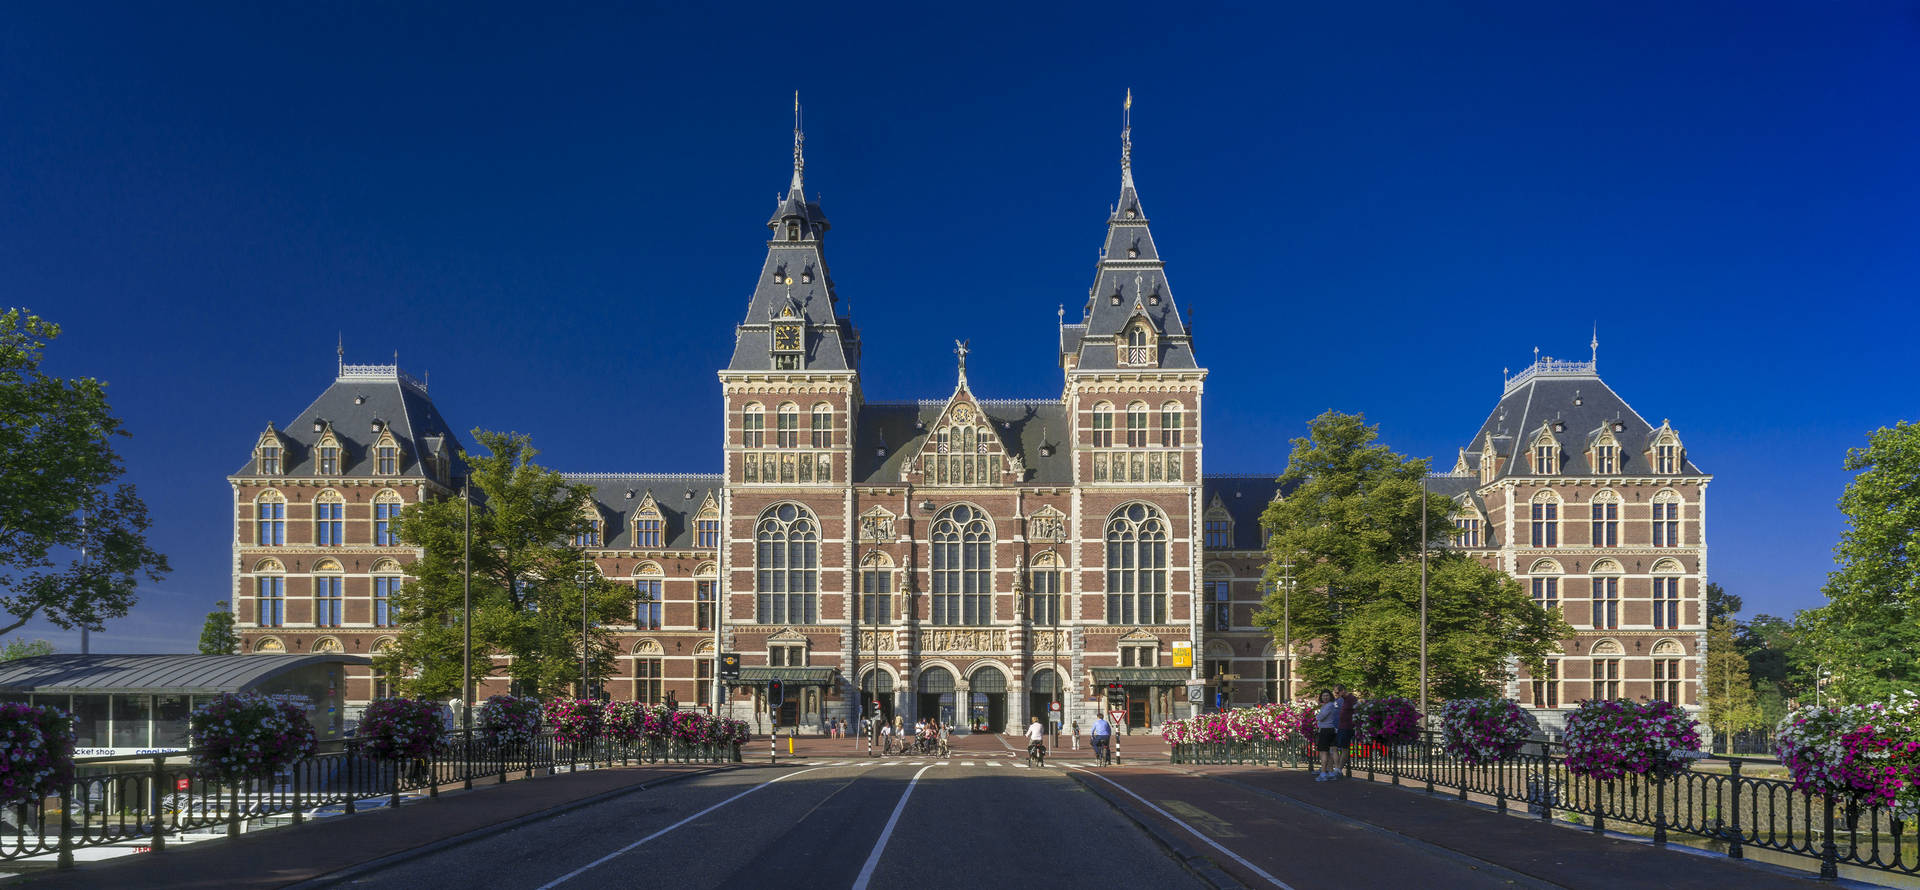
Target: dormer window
{"points": [[706, 526], [267, 454], [648, 527], [1138, 350], [1546, 459], [1219, 529], [1466, 532], [793, 231], [326, 460], [1666, 458], [1606, 459]]}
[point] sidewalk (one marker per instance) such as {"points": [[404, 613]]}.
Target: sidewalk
{"points": [[280, 856], [1355, 833], [1133, 749]]}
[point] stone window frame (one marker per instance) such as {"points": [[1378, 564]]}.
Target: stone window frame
{"points": [[270, 518], [269, 586], [1173, 427], [1544, 523], [1102, 424], [961, 594], [1667, 509], [1543, 581], [329, 594], [1045, 582], [791, 531], [1605, 577], [1133, 584], [329, 530], [386, 512], [270, 454], [1603, 518], [649, 596], [387, 578], [786, 432], [875, 600], [820, 425], [753, 425]]}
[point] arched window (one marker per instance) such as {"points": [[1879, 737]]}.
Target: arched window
{"points": [[753, 425], [1218, 599], [1137, 425], [1606, 669], [269, 594], [787, 551], [821, 427], [787, 433], [703, 673], [329, 593], [1605, 514], [1136, 566], [876, 588], [649, 673], [270, 519], [706, 588], [1667, 584], [962, 567], [1666, 518], [1103, 425], [649, 529], [1043, 590], [647, 596], [382, 684], [386, 581], [386, 516], [1546, 519], [1606, 594], [1172, 429], [1546, 585], [329, 519]]}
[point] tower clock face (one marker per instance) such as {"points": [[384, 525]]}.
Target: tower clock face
{"points": [[786, 336]]}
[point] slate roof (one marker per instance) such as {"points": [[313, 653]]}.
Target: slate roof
{"points": [[1572, 395], [359, 395], [678, 495], [1244, 497], [832, 343], [1025, 425], [1139, 281], [168, 674]]}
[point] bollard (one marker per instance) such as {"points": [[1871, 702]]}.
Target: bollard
{"points": [[1734, 839], [159, 820], [789, 744], [773, 750]]}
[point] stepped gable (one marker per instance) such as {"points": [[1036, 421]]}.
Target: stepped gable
{"points": [[678, 496], [358, 396], [1579, 406]]}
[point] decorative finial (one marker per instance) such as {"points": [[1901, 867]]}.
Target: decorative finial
{"points": [[1062, 312], [960, 349], [1126, 141], [799, 139], [1595, 344], [1536, 355], [340, 354]]}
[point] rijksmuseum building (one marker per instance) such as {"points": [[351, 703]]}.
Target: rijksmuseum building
{"points": [[976, 558]]}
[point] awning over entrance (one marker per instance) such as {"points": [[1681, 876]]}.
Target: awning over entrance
{"points": [[791, 676], [1154, 676]]}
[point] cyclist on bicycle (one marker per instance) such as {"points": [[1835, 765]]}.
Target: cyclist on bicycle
{"points": [[1036, 740], [1102, 737]]}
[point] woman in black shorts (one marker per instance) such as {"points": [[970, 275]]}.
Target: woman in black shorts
{"points": [[1326, 723]]}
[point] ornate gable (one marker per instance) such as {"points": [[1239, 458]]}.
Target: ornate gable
{"points": [[962, 447], [789, 636]]}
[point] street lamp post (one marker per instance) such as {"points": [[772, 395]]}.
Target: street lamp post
{"points": [[586, 576], [1286, 623], [466, 607], [1423, 596], [1056, 713]]}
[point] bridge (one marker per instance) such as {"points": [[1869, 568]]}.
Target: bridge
{"points": [[830, 814]]}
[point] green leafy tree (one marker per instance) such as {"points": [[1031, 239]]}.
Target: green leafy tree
{"points": [[1869, 629], [72, 537], [24, 649], [527, 583], [1351, 528], [1731, 704], [1720, 602], [217, 636]]}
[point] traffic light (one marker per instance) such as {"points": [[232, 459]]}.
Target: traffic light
{"points": [[776, 693], [1116, 694]]}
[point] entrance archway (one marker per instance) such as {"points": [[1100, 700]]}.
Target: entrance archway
{"points": [[1042, 687], [936, 695], [987, 710], [877, 685]]}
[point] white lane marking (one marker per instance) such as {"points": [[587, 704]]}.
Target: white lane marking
{"points": [[873, 858], [1190, 829], [604, 859]]}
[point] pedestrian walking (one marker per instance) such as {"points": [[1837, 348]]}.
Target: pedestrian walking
{"points": [[1343, 740], [1326, 722]]}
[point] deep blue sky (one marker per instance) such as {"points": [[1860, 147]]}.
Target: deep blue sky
{"points": [[1369, 207]]}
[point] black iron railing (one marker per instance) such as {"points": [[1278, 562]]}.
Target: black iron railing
{"points": [[1714, 802], [142, 800]]}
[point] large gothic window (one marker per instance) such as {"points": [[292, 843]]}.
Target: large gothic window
{"points": [[1136, 566], [787, 543], [962, 567]]}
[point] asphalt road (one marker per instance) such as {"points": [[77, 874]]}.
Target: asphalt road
{"points": [[962, 825]]}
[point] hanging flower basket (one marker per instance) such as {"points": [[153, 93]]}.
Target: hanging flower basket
{"points": [[623, 721], [1614, 739], [574, 720], [38, 741], [509, 721], [400, 728], [1481, 731], [246, 735], [1391, 720], [1867, 755]]}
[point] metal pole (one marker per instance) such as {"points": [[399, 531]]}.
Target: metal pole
{"points": [[466, 607], [585, 561], [1423, 597], [1286, 623], [1055, 679]]}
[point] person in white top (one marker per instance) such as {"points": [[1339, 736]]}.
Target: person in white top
{"points": [[1036, 738]]}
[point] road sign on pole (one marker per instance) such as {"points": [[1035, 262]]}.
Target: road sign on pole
{"points": [[730, 665]]}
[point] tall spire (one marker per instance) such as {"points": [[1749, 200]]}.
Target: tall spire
{"points": [[1595, 345], [1126, 141], [799, 138]]}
